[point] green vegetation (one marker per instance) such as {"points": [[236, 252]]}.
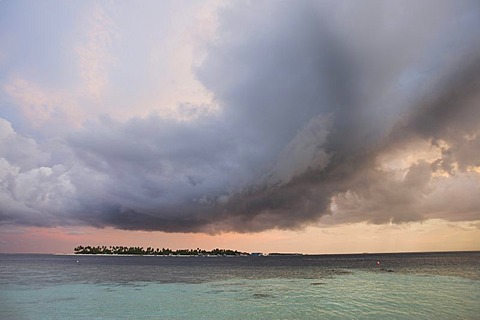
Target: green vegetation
{"points": [[155, 251]]}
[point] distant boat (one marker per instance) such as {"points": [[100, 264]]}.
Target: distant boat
{"points": [[256, 254]]}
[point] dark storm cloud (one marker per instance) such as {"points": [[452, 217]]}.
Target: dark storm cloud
{"points": [[312, 95], [447, 117]]}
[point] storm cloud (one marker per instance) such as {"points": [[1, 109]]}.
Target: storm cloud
{"points": [[327, 112]]}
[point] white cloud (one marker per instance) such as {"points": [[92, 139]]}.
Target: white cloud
{"points": [[21, 151], [31, 189]]}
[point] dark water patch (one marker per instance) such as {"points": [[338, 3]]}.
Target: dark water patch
{"points": [[61, 299], [383, 270], [263, 295], [215, 291], [48, 300], [340, 271]]}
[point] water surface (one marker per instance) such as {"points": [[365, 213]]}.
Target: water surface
{"points": [[403, 286]]}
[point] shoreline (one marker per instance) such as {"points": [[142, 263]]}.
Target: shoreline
{"points": [[265, 255]]}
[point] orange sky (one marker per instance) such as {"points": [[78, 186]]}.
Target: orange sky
{"points": [[433, 235]]}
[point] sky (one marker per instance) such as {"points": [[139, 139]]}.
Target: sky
{"points": [[269, 126]]}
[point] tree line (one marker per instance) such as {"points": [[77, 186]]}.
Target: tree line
{"points": [[155, 251]]}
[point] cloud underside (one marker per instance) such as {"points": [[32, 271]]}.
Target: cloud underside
{"points": [[328, 114]]}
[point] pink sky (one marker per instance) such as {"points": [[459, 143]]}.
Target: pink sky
{"points": [[354, 238]]}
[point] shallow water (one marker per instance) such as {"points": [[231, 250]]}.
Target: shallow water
{"points": [[418, 286]]}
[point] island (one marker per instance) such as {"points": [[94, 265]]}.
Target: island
{"points": [[149, 251]]}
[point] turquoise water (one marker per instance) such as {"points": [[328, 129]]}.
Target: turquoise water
{"points": [[283, 288]]}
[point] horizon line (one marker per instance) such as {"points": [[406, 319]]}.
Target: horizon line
{"points": [[265, 253]]}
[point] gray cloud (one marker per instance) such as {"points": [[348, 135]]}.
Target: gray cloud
{"points": [[312, 96]]}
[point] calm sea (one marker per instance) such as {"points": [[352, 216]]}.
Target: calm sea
{"points": [[403, 286]]}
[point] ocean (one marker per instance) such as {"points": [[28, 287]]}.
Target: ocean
{"points": [[399, 286]]}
